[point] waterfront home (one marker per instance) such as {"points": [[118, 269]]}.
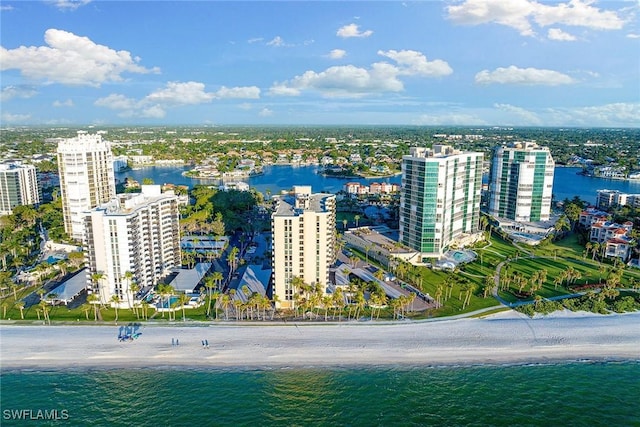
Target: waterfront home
{"points": [[591, 215], [619, 248], [615, 237]]}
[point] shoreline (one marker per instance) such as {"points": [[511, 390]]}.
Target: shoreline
{"points": [[502, 339]]}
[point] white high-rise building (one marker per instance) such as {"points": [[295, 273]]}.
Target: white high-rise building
{"points": [[304, 227], [85, 165], [605, 199], [18, 186], [440, 198], [137, 233], [521, 182]]}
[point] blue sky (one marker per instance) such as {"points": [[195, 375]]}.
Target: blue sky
{"points": [[458, 62]]}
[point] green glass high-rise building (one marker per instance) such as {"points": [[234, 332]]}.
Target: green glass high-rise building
{"points": [[521, 182], [18, 186], [440, 198]]}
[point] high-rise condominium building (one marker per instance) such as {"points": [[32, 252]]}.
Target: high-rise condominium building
{"points": [[440, 198], [18, 186], [521, 182], [87, 180], [135, 238], [606, 199], [304, 227]]}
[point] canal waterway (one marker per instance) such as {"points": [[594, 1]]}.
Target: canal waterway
{"points": [[274, 178], [567, 182]]}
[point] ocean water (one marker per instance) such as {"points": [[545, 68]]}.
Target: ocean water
{"points": [[565, 394]]}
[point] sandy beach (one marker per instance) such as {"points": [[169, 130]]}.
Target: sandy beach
{"points": [[499, 339]]}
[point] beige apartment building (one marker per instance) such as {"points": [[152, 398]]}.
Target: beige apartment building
{"points": [[85, 165], [137, 233], [304, 242]]}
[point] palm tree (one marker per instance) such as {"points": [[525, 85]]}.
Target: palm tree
{"points": [[86, 308], [95, 279], [232, 258], [115, 299], [165, 291], [45, 312], [20, 305], [128, 277], [209, 282], [439, 296], [41, 293], [489, 283], [183, 300], [216, 296], [226, 301], [354, 261], [469, 288], [134, 288], [94, 300], [367, 248], [344, 224], [538, 300], [14, 288], [356, 218], [145, 307]]}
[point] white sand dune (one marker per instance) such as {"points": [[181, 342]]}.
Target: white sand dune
{"points": [[498, 339]]}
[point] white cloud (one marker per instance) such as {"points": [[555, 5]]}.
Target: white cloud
{"points": [[177, 93], [578, 13], [512, 13], [615, 114], [153, 112], [337, 54], [248, 92], [412, 63], [69, 4], [633, 36], [70, 59], [277, 41], [352, 30], [355, 82], [523, 14], [19, 91], [172, 95], [343, 81], [117, 102], [517, 115], [14, 118], [559, 35], [523, 76], [255, 40], [66, 103], [450, 119], [281, 89], [6, 7], [265, 112]]}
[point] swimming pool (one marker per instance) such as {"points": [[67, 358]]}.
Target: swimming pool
{"points": [[460, 256], [163, 302], [52, 259], [536, 237]]}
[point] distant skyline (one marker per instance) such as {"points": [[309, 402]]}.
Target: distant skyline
{"points": [[469, 62]]}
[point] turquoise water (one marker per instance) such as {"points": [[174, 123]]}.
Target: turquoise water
{"points": [[575, 394], [52, 259], [163, 302]]}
